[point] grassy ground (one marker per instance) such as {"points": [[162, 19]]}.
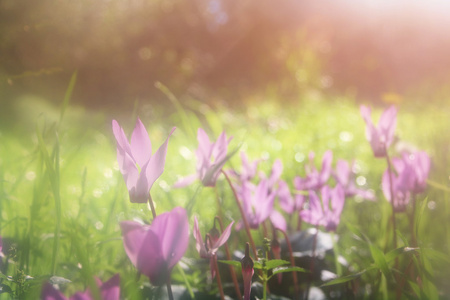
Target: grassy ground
{"points": [[60, 176]]}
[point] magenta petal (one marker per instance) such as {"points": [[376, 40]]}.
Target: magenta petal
{"points": [[141, 145], [111, 289], [50, 293], [204, 144], [157, 162], [199, 245], [133, 235], [185, 181], [223, 237], [172, 229], [278, 220], [121, 138], [150, 259], [342, 172], [387, 124], [326, 167]]}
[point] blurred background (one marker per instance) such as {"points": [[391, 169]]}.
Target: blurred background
{"points": [[218, 50]]}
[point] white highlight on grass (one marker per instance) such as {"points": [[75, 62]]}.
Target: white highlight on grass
{"points": [[30, 175], [164, 185], [299, 157], [185, 152], [97, 193], [361, 180], [108, 173], [346, 136]]}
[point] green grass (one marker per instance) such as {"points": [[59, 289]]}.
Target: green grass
{"points": [[59, 178]]}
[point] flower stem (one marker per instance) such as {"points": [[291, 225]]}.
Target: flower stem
{"points": [[336, 256], [152, 207], [233, 274], [169, 289], [391, 190], [244, 218], [291, 257], [219, 282]]}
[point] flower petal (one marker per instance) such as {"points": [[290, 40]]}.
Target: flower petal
{"points": [[141, 145], [157, 162], [223, 237]]}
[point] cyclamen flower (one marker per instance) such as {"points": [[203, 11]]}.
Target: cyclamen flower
{"points": [[139, 167], [327, 212], [109, 290], [155, 249], [381, 137], [418, 166], [209, 249], [314, 179], [248, 170], [257, 202], [289, 203], [211, 157], [345, 177]]}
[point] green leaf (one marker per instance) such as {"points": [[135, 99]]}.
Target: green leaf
{"points": [[67, 96], [344, 279], [287, 269], [391, 255], [234, 263], [380, 261], [276, 263]]}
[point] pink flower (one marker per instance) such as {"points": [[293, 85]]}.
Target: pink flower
{"points": [[289, 203], [345, 177], [109, 290], [380, 138], [419, 167], [247, 272], [139, 167], [209, 248], [257, 202], [327, 212], [155, 249], [248, 169], [211, 157], [314, 179]]}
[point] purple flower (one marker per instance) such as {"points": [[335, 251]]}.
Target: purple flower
{"points": [[345, 177], [109, 290], [139, 167], [327, 212], [418, 165], [248, 170], [400, 189], [411, 173], [257, 202], [289, 203], [381, 137], [247, 272], [209, 248], [314, 179], [210, 159], [155, 249]]}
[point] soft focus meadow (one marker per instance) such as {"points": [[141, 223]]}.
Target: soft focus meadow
{"points": [[77, 217], [212, 149]]}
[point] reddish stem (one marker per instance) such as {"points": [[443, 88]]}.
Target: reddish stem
{"points": [[291, 256]]}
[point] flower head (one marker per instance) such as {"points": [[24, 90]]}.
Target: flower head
{"points": [[327, 212], [247, 272], [139, 167], [381, 137], [155, 249], [289, 203], [257, 202], [211, 157], [315, 179], [109, 290], [345, 177], [209, 248]]}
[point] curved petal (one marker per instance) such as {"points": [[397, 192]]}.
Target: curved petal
{"points": [[326, 167], [133, 235], [157, 161], [185, 181], [172, 229], [223, 237], [150, 259], [111, 289], [199, 245], [121, 138], [387, 124], [278, 220], [141, 146]]}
